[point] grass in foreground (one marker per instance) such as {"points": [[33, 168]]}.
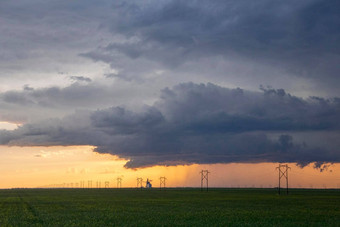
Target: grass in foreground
{"points": [[173, 207]]}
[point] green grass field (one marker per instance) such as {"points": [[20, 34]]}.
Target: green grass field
{"points": [[173, 207]]}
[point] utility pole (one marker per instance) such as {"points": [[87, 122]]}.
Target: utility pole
{"points": [[204, 178], [140, 182], [119, 182], [283, 172], [162, 182]]}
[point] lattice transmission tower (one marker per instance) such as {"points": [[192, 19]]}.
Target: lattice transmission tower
{"points": [[139, 182], [283, 173], [119, 182], [204, 179], [162, 181]]}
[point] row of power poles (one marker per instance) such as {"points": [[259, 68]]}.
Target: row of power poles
{"points": [[282, 169], [283, 174]]}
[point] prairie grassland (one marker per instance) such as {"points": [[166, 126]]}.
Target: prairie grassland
{"points": [[173, 207]]}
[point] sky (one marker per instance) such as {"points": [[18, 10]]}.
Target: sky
{"points": [[169, 87]]}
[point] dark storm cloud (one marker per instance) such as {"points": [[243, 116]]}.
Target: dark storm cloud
{"points": [[288, 44], [32, 104], [54, 96], [300, 37], [200, 123]]}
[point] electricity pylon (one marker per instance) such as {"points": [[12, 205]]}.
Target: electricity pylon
{"points": [[162, 182], [283, 172], [204, 178], [119, 182], [139, 182]]}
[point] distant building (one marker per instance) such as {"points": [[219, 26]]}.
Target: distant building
{"points": [[148, 183]]}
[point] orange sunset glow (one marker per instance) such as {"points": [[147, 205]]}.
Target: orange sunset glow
{"points": [[61, 166]]}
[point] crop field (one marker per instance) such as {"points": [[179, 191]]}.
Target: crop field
{"points": [[172, 207]]}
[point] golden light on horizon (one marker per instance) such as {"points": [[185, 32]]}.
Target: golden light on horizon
{"points": [[57, 165]]}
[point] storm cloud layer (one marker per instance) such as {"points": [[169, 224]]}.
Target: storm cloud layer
{"points": [[285, 44], [297, 38], [89, 73], [201, 123]]}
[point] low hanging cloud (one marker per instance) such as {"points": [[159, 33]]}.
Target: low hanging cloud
{"points": [[201, 123]]}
